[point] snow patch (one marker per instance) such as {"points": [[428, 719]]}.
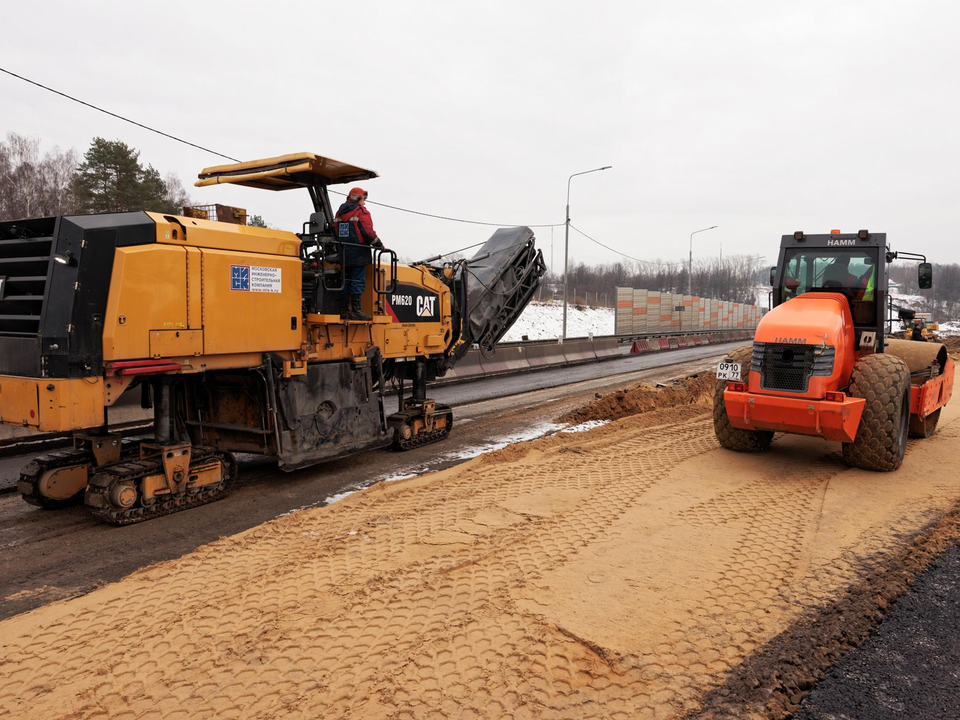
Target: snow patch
{"points": [[949, 329], [523, 436], [544, 321], [584, 426]]}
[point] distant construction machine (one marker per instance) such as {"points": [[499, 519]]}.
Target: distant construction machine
{"points": [[233, 335], [820, 364]]}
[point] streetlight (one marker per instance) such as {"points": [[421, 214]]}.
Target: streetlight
{"points": [[690, 264], [566, 242]]}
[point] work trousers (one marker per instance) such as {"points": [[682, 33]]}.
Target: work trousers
{"points": [[354, 279]]}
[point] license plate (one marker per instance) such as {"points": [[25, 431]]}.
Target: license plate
{"points": [[728, 371]]}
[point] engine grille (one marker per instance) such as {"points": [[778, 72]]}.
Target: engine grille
{"points": [[25, 249], [789, 367]]}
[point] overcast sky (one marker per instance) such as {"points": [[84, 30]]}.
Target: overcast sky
{"points": [[760, 117]]}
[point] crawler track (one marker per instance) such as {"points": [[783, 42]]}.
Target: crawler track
{"points": [[428, 437], [33, 471], [97, 496]]}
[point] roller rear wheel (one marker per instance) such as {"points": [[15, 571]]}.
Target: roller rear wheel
{"points": [[926, 427]]}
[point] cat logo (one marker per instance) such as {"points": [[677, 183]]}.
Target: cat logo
{"points": [[426, 305]]}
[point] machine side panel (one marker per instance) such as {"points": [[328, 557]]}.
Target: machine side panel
{"points": [[194, 289], [51, 405], [148, 291], [251, 302], [193, 232]]}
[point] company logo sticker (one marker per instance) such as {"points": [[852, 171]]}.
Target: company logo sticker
{"points": [[256, 278]]}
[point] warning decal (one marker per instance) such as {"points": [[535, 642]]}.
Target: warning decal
{"points": [[255, 278]]}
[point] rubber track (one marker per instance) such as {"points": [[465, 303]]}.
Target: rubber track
{"points": [[31, 473], [101, 482], [424, 438], [728, 436]]}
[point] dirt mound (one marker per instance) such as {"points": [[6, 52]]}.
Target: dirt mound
{"points": [[643, 398]]}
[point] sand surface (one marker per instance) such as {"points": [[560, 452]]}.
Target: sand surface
{"points": [[622, 572]]}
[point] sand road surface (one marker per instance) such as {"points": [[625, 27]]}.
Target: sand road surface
{"points": [[625, 572]]}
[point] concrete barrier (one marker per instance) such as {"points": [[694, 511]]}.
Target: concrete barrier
{"points": [[469, 366], [578, 350], [605, 348], [504, 360], [681, 342], [514, 357], [673, 343], [543, 355], [664, 344], [653, 345], [638, 348]]}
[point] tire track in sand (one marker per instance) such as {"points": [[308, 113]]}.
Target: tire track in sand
{"points": [[616, 573]]}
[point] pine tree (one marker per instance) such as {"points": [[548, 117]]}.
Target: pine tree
{"points": [[112, 179]]}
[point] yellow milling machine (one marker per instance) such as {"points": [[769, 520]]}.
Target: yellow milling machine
{"points": [[233, 335]]}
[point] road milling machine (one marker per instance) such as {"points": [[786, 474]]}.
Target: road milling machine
{"points": [[820, 363], [233, 335]]}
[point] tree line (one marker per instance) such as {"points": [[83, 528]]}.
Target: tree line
{"points": [[943, 299], [109, 177], [739, 278]]}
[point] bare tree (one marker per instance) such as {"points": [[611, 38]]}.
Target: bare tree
{"points": [[176, 194], [739, 278], [32, 185]]}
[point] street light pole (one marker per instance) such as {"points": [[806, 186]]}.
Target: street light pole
{"points": [[566, 243], [690, 262]]}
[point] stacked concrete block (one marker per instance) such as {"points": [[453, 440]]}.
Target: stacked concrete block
{"points": [[666, 311], [653, 311], [675, 305], [639, 312], [686, 315], [624, 313]]}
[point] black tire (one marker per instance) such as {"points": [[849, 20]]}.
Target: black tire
{"points": [[884, 382], [728, 436], [924, 428]]}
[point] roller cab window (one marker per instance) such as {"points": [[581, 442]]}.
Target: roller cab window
{"points": [[850, 272]]}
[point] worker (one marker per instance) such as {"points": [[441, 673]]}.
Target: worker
{"points": [[917, 332], [837, 274], [868, 281], [354, 226]]}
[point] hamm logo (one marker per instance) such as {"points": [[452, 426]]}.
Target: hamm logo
{"points": [[841, 241], [791, 340]]}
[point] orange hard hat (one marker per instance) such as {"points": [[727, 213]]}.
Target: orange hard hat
{"points": [[357, 192]]}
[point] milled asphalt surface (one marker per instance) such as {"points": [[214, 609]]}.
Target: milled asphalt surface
{"points": [[911, 667]]}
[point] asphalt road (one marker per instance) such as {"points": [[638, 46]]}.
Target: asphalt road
{"points": [[49, 555], [909, 668]]}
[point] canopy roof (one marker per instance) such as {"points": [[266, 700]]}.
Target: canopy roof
{"points": [[298, 170]]}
